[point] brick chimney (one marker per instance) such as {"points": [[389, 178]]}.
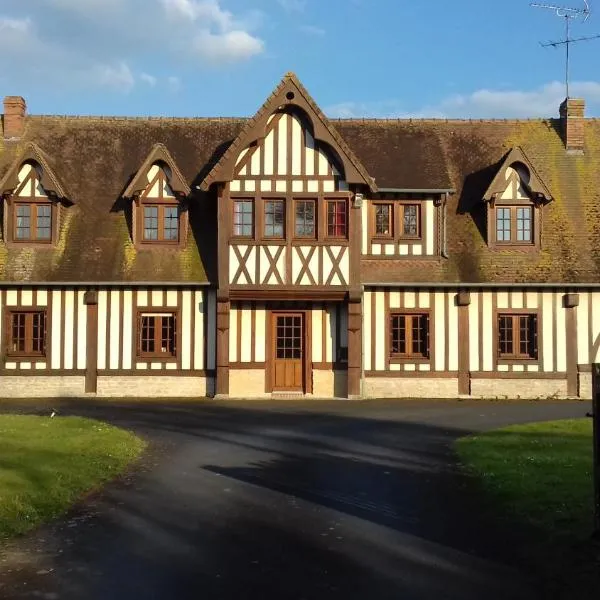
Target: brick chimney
{"points": [[572, 120], [14, 117]]}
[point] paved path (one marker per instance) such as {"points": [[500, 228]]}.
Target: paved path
{"points": [[284, 501]]}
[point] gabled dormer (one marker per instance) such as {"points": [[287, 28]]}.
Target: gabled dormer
{"points": [[290, 192], [33, 198], [159, 194], [515, 199]]}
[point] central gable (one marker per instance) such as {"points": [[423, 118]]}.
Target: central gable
{"points": [[289, 136]]}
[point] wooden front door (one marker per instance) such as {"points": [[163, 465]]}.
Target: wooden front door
{"points": [[288, 352]]}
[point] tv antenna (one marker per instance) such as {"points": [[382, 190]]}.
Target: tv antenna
{"points": [[568, 14]]}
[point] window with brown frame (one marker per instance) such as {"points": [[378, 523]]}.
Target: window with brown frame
{"points": [[410, 220], [274, 213], [409, 335], [514, 224], [243, 218], [337, 218], [305, 219], [32, 222], [161, 223], [518, 336], [157, 335], [384, 218], [27, 333]]}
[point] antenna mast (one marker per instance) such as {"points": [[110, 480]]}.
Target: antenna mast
{"points": [[568, 14]]}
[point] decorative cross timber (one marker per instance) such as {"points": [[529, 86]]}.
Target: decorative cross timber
{"points": [[336, 268], [243, 267], [305, 268], [273, 265]]}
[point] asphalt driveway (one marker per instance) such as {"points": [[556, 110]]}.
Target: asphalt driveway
{"points": [[299, 501]]}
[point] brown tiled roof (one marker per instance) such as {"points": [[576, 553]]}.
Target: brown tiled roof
{"points": [[96, 158]]}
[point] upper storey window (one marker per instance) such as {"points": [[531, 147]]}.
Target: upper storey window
{"points": [[399, 220], [337, 218], [32, 209], [306, 225], [274, 219], [516, 196], [159, 208], [243, 218]]}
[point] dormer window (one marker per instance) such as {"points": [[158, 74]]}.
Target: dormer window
{"points": [[515, 198], [158, 190], [32, 214]]}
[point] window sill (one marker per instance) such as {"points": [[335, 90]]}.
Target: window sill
{"points": [[401, 360], [156, 358]]}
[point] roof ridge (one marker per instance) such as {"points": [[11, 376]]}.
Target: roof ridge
{"points": [[136, 118], [441, 120]]}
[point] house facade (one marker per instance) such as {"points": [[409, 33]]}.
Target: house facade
{"points": [[289, 255]]}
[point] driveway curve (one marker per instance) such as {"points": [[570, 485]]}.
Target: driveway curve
{"points": [[303, 501]]}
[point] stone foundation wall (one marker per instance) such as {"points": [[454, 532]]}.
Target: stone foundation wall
{"points": [[519, 388], [42, 386], [410, 387], [585, 385], [115, 386], [247, 383]]}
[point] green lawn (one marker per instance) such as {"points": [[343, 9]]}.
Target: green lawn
{"points": [[48, 464], [541, 475]]}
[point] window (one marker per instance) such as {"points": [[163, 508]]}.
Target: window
{"points": [[158, 335], [514, 224], [274, 218], [517, 337], [409, 336], [383, 220], [33, 222], [305, 219], [337, 218], [243, 218], [27, 333], [161, 223], [410, 220]]}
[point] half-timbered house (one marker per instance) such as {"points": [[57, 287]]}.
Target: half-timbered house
{"points": [[293, 255]]}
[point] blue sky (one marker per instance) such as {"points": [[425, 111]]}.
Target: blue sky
{"points": [[371, 58]]}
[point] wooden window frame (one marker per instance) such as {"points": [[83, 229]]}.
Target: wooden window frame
{"points": [[409, 356], [391, 223], [513, 206], [517, 357], [253, 204], [264, 203], [157, 312], [161, 206], [326, 203], [315, 204], [34, 204], [402, 235], [8, 323]]}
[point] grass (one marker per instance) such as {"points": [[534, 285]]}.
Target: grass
{"points": [[540, 475], [48, 464]]}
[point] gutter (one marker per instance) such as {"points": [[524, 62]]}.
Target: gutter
{"points": [[103, 284], [485, 286], [417, 191]]}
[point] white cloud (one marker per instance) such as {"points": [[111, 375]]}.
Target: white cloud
{"points": [[8, 26], [312, 30], [543, 101], [149, 79], [107, 43], [292, 5]]}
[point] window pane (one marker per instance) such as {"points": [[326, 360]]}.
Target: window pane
{"points": [[420, 332], [274, 218], [243, 218], [305, 218], [151, 222], [337, 218], [383, 219], [23, 222], [44, 222], [39, 333], [524, 224], [18, 333], [411, 220], [147, 334], [503, 224], [171, 223], [168, 335], [505, 335], [28, 333]]}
